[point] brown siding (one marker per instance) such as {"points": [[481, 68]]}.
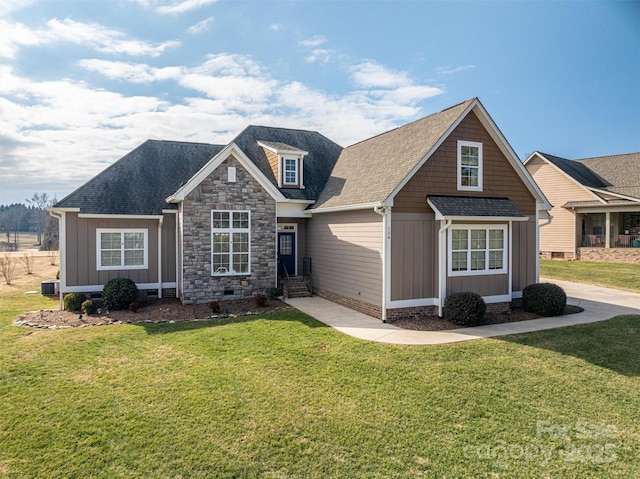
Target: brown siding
{"points": [[484, 285], [346, 250], [81, 265], [273, 163], [524, 254], [438, 175], [414, 250], [559, 235], [169, 248]]}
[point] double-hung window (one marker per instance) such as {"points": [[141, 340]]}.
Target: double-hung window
{"points": [[230, 242], [477, 250], [469, 166], [121, 248], [290, 171]]}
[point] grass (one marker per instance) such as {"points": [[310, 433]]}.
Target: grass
{"points": [[283, 396], [613, 275]]}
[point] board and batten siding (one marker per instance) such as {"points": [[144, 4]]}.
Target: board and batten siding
{"points": [[346, 251], [81, 264], [560, 234], [438, 176], [524, 253], [414, 256]]}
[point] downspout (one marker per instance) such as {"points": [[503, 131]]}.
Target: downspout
{"points": [[442, 264], [538, 226], [160, 257], [61, 224], [385, 212]]}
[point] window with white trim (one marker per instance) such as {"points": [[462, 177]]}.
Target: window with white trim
{"points": [[469, 166], [290, 171], [230, 242], [477, 250], [122, 248]]}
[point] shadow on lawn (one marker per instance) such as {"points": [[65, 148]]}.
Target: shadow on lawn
{"points": [[191, 325], [612, 344]]}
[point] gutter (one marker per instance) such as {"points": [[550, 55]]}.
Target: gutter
{"points": [[385, 212], [160, 256]]}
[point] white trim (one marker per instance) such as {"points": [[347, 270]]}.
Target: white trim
{"points": [[604, 209], [230, 231], [124, 217], [122, 266], [412, 303], [180, 246], [334, 209], [167, 212], [499, 298], [618, 195], [517, 294], [94, 288], [537, 277], [442, 264], [217, 160], [506, 237], [510, 256], [231, 174], [472, 144], [283, 152], [296, 163], [63, 210], [386, 258]]}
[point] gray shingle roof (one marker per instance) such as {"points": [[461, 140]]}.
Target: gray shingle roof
{"points": [[465, 206], [139, 182], [318, 164], [576, 170], [621, 172], [369, 171]]}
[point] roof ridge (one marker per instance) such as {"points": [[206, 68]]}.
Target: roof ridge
{"points": [[180, 142], [607, 156]]}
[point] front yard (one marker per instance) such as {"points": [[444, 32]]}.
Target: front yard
{"points": [[284, 396], [612, 275]]}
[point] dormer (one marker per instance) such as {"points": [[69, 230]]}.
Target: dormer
{"points": [[286, 162]]}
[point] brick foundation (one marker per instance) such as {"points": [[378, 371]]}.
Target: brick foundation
{"points": [[355, 304], [393, 314], [560, 255], [497, 308]]}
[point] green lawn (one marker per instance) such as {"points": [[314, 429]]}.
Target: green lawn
{"points": [[613, 275], [283, 396]]}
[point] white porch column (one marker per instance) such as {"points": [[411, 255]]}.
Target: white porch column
{"points": [[607, 230]]}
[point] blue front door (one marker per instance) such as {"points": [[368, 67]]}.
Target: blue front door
{"points": [[287, 253]]}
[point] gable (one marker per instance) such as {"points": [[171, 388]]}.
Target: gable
{"points": [[438, 175]]}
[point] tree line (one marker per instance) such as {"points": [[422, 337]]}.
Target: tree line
{"points": [[31, 216]]}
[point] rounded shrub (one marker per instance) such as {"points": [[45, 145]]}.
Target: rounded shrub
{"points": [[89, 307], [464, 309], [119, 293], [545, 299], [73, 301], [261, 299]]}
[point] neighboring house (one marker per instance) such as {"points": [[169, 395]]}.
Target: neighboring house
{"points": [[596, 206], [388, 226]]}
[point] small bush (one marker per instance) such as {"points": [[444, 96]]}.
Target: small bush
{"points": [[119, 293], [58, 275], [89, 307], [274, 293], [261, 299], [214, 306], [545, 299], [464, 309], [73, 301]]}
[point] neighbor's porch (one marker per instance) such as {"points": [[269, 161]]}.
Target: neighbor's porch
{"points": [[609, 236]]}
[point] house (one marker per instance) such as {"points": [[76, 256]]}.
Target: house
{"points": [[596, 206], [388, 226]]}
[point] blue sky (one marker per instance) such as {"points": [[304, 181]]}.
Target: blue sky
{"points": [[84, 82]]}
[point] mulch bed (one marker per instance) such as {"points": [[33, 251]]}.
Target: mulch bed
{"points": [[434, 323], [156, 311]]}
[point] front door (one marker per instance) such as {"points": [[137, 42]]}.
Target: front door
{"points": [[287, 253]]}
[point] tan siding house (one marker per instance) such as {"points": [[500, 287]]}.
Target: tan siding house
{"points": [[596, 207]]}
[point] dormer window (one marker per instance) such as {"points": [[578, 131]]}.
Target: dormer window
{"points": [[287, 163], [291, 171], [469, 166]]}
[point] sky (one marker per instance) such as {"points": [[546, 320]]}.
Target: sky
{"points": [[84, 82]]}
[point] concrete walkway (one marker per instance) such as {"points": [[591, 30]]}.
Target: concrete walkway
{"points": [[599, 304]]}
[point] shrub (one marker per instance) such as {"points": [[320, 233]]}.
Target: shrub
{"points": [[261, 299], [214, 306], [73, 301], [119, 293], [274, 293], [464, 309], [58, 275], [545, 299], [89, 307], [133, 307]]}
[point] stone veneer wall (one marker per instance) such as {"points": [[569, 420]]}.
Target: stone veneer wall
{"points": [[610, 255], [216, 193]]}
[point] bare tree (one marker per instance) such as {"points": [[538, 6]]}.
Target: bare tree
{"points": [[28, 260], [40, 202], [7, 268], [52, 254]]}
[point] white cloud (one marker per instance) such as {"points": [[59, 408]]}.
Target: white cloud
{"points": [[314, 41], [102, 39], [201, 27], [274, 27], [320, 55], [370, 74], [182, 6], [131, 72], [8, 6], [454, 70]]}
